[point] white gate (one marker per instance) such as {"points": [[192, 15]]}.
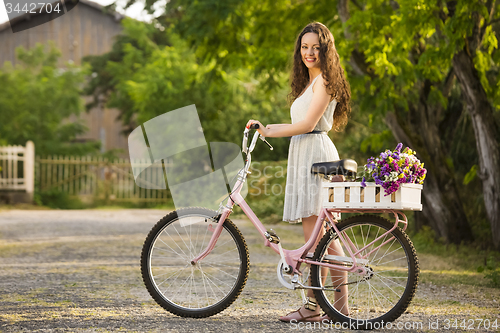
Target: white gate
{"points": [[17, 165]]}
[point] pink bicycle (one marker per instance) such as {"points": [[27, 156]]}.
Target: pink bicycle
{"points": [[195, 261]]}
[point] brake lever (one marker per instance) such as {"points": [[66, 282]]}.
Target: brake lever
{"points": [[256, 126], [267, 143]]}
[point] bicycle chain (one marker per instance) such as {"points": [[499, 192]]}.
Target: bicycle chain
{"points": [[345, 284], [348, 283]]}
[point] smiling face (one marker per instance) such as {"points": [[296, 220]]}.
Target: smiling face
{"points": [[309, 49]]}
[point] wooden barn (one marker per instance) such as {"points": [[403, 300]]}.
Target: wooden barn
{"points": [[87, 29]]}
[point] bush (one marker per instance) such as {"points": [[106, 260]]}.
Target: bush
{"points": [[491, 270], [57, 199], [266, 190]]}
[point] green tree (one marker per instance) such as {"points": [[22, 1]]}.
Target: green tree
{"points": [[475, 63], [145, 79], [417, 67], [35, 100], [403, 61], [414, 53]]}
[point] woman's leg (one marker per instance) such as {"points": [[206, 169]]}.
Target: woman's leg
{"points": [[338, 277], [308, 226]]}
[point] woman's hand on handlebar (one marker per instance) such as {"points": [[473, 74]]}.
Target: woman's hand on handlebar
{"points": [[262, 129]]}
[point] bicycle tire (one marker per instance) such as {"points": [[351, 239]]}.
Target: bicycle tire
{"points": [[386, 294], [199, 290]]}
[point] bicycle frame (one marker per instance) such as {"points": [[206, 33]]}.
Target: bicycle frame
{"points": [[294, 258]]}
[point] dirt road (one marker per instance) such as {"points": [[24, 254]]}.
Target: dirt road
{"points": [[78, 271]]}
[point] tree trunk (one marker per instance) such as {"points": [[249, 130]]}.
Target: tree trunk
{"points": [[485, 130], [442, 206]]}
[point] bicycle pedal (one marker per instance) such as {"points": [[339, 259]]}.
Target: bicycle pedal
{"points": [[272, 237]]}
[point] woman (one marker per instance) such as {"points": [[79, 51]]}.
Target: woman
{"points": [[321, 99]]}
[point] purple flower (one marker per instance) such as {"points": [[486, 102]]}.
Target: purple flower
{"points": [[377, 169]]}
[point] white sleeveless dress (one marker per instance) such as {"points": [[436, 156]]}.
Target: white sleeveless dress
{"points": [[302, 192]]}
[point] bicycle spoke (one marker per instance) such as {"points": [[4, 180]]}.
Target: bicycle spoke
{"points": [[222, 254], [380, 293], [217, 280], [391, 270], [386, 254], [203, 241], [381, 242], [376, 236], [355, 240], [179, 287], [234, 277], [182, 238], [378, 299], [169, 251], [172, 248], [176, 272], [363, 239], [190, 290], [389, 279], [385, 263], [204, 285]]}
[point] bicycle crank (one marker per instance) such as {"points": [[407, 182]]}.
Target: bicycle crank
{"points": [[281, 271], [295, 281]]}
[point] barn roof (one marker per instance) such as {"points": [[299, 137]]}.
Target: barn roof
{"points": [[28, 16]]}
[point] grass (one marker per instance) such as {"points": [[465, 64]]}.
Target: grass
{"points": [[167, 206], [451, 277], [447, 308], [117, 206], [22, 206], [481, 266]]}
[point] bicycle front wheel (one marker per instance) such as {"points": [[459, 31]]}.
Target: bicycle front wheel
{"points": [[381, 293], [205, 288]]}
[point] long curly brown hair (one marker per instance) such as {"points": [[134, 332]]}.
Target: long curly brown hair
{"points": [[331, 70]]}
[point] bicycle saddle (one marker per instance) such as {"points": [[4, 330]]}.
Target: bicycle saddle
{"points": [[346, 167]]}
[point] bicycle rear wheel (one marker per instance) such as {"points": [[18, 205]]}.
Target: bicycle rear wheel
{"points": [[384, 291], [199, 290]]}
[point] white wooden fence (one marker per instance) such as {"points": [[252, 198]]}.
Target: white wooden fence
{"points": [[90, 177], [17, 165]]}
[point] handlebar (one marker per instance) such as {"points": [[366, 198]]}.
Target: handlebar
{"points": [[247, 149]]}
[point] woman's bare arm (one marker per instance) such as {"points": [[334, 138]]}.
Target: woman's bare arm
{"points": [[276, 125], [320, 101]]}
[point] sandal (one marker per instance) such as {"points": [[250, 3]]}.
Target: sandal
{"points": [[309, 305], [326, 317], [312, 318]]}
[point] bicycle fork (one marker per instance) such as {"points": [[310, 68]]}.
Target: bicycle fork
{"points": [[215, 236]]}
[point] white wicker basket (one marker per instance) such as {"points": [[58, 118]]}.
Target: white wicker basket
{"points": [[351, 195]]}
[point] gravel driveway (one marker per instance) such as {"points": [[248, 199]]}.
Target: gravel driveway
{"points": [[79, 271]]}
